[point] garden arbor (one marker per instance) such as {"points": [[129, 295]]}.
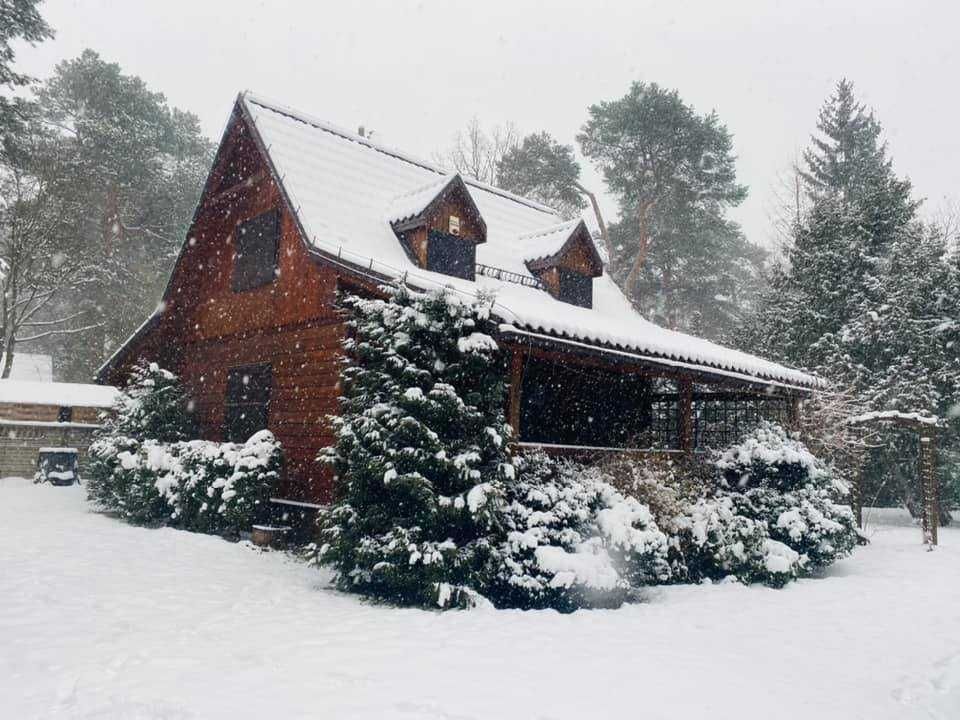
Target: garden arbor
{"points": [[925, 426]]}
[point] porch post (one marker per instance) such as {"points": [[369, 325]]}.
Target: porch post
{"points": [[516, 378], [793, 414], [685, 410]]}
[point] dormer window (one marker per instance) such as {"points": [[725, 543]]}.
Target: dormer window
{"points": [[439, 227], [451, 255], [255, 256], [575, 288], [565, 261]]}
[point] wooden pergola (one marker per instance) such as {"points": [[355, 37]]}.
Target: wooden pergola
{"points": [[925, 426]]}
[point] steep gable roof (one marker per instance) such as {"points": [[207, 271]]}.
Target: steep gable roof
{"points": [[342, 186], [343, 189]]}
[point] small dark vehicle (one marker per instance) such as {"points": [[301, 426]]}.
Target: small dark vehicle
{"points": [[58, 466]]}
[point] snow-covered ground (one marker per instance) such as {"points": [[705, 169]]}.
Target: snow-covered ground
{"points": [[103, 620]]}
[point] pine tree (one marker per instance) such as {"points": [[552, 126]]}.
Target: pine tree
{"points": [[858, 208], [20, 20], [133, 171], [421, 444], [672, 171]]}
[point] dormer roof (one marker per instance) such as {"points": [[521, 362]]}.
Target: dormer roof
{"points": [[414, 207], [549, 246]]}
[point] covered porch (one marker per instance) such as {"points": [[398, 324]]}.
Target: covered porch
{"points": [[572, 398]]}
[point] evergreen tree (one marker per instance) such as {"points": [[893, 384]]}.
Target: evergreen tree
{"points": [[867, 297], [673, 173], [151, 408], [19, 20], [541, 168], [421, 444], [134, 168], [858, 208]]}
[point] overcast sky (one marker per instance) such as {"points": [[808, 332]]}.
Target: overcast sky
{"points": [[415, 72]]}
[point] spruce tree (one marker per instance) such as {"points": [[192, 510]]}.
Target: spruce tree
{"points": [[421, 443]]}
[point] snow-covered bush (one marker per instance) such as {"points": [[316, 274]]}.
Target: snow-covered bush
{"points": [[782, 484], [774, 514], [143, 468], [421, 449], [572, 540], [717, 541], [197, 484]]}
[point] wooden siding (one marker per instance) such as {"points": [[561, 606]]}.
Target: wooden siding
{"points": [[47, 413], [292, 324]]}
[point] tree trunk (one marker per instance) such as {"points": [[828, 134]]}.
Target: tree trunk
{"points": [[603, 227], [643, 249]]}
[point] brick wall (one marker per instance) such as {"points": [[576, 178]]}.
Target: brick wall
{"points": [[20, 442]]}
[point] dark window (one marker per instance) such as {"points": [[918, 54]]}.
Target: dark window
{"points": [[451, 255], [248, 401], [65, 414], [255, 261], [576, 289], [569, 405]]}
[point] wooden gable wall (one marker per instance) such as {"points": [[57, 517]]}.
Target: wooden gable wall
{"points": [[292, 324]]}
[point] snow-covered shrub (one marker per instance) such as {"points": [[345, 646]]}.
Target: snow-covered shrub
{"points": [[194, 484], [143, 468], [421, 449], [779, 482], [572, 540], [773, 515], [717, 541], [151, 406]]}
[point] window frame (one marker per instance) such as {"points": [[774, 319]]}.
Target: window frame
{"points": [[250, 264], [236, 409]]}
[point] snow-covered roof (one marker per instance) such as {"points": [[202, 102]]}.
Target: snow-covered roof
{"points": [[27, 392], [547, 242], [30, 366], [414, 202], [344, 187]]}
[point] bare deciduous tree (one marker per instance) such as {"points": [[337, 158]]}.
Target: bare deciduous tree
{"points": [[36, 262], [477, 152]]}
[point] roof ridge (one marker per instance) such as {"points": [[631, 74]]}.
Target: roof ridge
{"points": [[386, 150]]}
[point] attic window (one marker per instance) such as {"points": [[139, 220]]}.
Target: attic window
{"points": [[575, 288], [255, 260], [451, 255]]}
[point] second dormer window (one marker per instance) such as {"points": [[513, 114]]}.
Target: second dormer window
{"points": [[575, 288], [255, 259], [451, 255]]}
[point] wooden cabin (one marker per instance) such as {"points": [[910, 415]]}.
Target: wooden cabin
{"points": [[295, 209]]}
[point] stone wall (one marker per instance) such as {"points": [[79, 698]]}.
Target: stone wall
{"points": [[20, 442]]}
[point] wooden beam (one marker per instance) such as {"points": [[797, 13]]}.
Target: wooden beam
{"points": [[930, 489], [685, 411], [516, 382]]}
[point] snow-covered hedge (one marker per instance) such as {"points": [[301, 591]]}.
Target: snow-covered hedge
{"points": [[143, 468], [433, 510], [194, 484]]}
